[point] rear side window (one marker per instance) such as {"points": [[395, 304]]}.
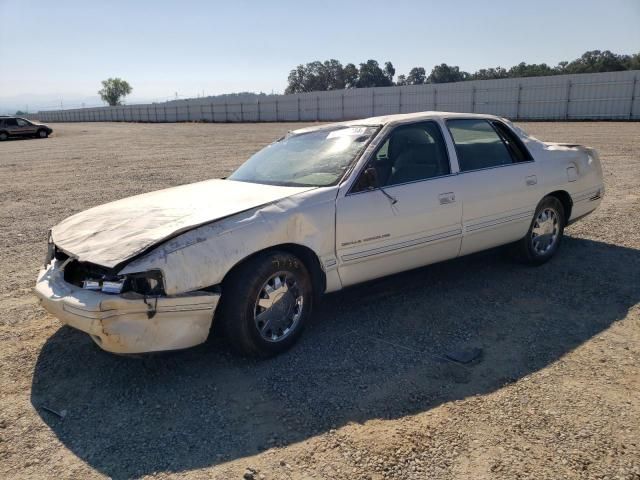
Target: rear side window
{"points": [[10, 122], [478, 145]]}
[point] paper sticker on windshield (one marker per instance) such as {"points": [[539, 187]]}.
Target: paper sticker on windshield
{"points": [[348, 132]]}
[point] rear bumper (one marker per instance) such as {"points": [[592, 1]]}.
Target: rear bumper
{"points": [[128, 323]]}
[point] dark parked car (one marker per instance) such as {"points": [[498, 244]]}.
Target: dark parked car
{"points": [[21, 127]]}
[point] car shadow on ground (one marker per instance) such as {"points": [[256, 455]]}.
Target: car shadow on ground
{"points": [[373, 351]]}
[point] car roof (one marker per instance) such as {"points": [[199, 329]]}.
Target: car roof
{"points": [[398, 118]]}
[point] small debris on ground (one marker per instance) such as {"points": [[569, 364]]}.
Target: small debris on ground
{"points": [[465, 356], [60, 414]]}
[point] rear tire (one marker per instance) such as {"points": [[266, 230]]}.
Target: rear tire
{"points": [[265, 304], [545, 233], [3, 136]]}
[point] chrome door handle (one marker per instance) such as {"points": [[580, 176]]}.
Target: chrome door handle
{"points": [[531, 180], [446, 198]]}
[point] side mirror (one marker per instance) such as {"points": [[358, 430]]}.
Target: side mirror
{"points": [[371, 178]]}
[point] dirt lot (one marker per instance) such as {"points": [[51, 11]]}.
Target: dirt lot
{"points": [[364, 394]]}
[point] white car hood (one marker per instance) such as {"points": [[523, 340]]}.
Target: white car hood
{"points": [[114, 232]]}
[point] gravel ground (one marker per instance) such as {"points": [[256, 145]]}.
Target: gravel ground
{"points": [[365, 394]]}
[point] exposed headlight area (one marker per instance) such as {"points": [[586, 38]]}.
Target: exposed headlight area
{"points": [[97, 278], [105, 286], [148, 283]]}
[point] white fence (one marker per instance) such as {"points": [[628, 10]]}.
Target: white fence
{"points": [[611, 95]]}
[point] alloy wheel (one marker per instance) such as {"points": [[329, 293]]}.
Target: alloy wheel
{"points": [[545, 231], [279, 307]]}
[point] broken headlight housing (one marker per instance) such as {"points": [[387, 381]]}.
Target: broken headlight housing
{"points": [[146, 283]]}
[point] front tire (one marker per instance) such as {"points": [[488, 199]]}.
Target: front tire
{"points": [[42, 133], [545, 233], [266, 302]]}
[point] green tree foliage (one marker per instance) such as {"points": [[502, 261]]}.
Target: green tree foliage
{"points": [[417, 76], [489, 74], [444, 73], [597, 61], [331, 75], [531, 70], [389, 71], [371, 75], [317, 76], [114, 90], [350, 73]]}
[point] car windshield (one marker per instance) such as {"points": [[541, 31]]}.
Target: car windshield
{"points": [[318, 158]]}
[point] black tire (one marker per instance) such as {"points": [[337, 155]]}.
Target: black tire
{"points": [[3, 136], [538, 252], [42, 133], [242, 292]]}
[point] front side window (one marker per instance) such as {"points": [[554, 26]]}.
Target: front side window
{"points": [[411, 153], [478, 145], [318, 158], [21, 122]]}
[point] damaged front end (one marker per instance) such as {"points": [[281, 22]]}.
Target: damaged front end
{"points": [[123, 313]]}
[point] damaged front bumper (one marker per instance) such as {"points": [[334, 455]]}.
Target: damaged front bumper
{"points": [[129, 322]]}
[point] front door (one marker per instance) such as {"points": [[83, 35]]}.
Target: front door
{"points": [[23, 127], [411, 218]]}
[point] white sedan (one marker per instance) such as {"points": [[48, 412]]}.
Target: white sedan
{"points": [[318, 210]]}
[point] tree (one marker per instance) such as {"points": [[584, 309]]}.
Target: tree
{"points": [[20, 112], [531, 70], [489, 74], [389, 71], [417, 76], [331, 75], [371, 75], [598, 61], [444, 73], [296, 80], [114, 90], [316, 76], [351, 74]]}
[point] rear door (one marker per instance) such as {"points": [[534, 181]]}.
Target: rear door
{"points": [[412, 218], [11, 126], [498, 183]]}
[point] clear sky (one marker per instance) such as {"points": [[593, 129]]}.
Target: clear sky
{"points": [[62, 49]]}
